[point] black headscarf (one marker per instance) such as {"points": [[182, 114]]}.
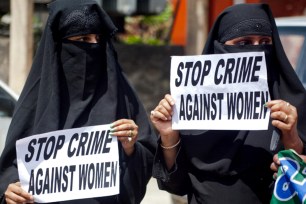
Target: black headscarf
{"points": [[256, 22], [77, 84], [222, 156]]}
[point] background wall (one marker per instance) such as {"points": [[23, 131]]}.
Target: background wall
{"points": [[148, 69]]}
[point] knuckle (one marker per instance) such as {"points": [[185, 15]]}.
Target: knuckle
{"points": [[159, 107], [161, 102], [165, 103]]}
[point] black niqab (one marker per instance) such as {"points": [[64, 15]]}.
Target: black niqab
{"points": [[76, 84]]}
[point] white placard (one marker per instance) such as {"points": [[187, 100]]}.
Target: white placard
{"points": [[220, 91], [69, 164]]}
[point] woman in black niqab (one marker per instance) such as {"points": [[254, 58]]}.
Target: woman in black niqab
{"points": [[233, 166], [75, 84]]}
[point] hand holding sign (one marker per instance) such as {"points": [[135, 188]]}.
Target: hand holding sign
{"points": [[161, 118], [127, 132], [15, 193], [284, 117]]}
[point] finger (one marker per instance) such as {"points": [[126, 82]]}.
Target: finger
{"points": [[274, 166], [275, 176], [122, 121], [164, 105], [165, 108], [276, 160], [125, 133], [273, 103], [125, 127], [15, 193], [169, 99], [303, 157], [284, 122], [289, 107], [14, 198], [27, 196], [160, 115], [281, 116], [123, 124], [280, 105], [281, 125], [120, 133]]}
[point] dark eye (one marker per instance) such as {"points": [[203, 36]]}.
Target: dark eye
{"points": [[266, 41], [78, 38], [243, 42], [86, 39]]}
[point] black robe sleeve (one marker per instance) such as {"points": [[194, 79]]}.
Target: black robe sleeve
{"points": [[176, 180], [137, 173], [137, 168]]}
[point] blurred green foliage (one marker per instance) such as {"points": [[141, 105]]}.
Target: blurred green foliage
{"points": [[151, 30]]}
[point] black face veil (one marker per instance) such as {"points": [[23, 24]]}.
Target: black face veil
{"points": [[72, 84]]}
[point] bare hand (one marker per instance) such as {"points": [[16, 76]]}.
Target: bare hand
{"points": [[285, 118], [161, 118], [15, 194], [274, 165], [127, 133]]}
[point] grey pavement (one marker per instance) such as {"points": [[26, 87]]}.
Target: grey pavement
{"points": [[156, 196]]}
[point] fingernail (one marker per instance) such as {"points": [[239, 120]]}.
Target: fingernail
{"points": [[266, 104], [112, 130]]}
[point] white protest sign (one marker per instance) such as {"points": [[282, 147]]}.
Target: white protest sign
{"points": [[220, 91], [69, 164]]}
